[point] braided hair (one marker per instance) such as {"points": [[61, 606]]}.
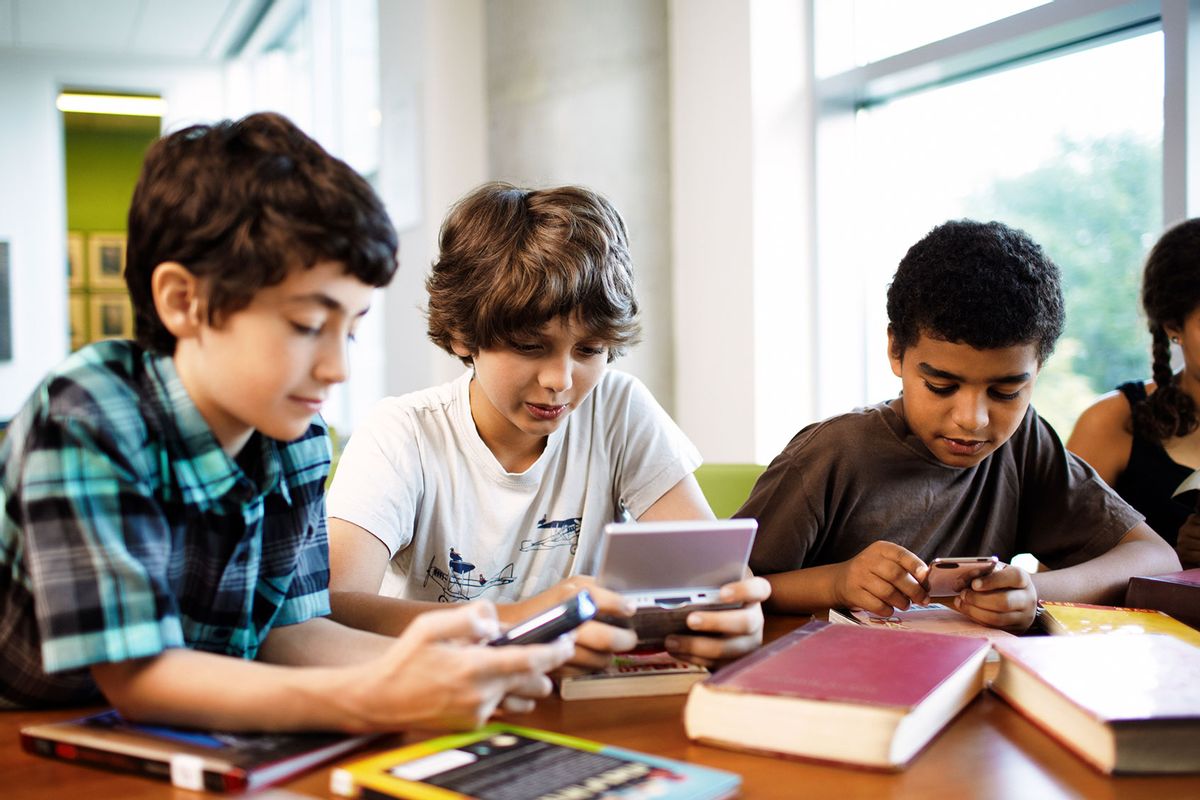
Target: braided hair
{"points": [[1170, 292]]}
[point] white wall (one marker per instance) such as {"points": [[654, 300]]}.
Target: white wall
{"points": [[742, 225], [578, 93], [33, 203]]}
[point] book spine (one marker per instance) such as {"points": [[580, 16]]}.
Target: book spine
{"points": [[123, 762]]}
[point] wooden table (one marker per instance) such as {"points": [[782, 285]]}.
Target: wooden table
{"points": [[988, 751]]}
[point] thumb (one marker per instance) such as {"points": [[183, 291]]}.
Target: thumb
{"points": [[470, 621]]}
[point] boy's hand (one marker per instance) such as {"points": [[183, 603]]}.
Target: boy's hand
{"points": [[437, 674], [1005, 599], [740, 630], [883, 577], [1188, 544], [595, 641]]}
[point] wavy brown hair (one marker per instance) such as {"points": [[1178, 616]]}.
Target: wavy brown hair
{"points": [[1170, 292], [513, 259], [240, 204]]}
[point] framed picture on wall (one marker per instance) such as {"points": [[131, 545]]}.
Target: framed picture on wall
{"points": [[75, 263], [111, 316], [77, 307], [106, 260]]}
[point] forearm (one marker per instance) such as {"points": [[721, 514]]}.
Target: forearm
{"points": [[1105, 578], [321, 642], [803, 591], [365, 611], [205, 690]]}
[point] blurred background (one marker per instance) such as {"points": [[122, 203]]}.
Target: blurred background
{"points": [[773, 160]]}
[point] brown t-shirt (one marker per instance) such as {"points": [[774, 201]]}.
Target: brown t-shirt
{"points": [[847, 481]]}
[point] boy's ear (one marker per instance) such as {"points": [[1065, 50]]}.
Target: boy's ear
{"points": [[893, 354], [460, 349], [176, 293]]}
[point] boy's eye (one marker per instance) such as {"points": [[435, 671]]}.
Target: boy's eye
{"points": [[592, 350], [942, 390], [526, 347], [304, 330], [999, 395]]}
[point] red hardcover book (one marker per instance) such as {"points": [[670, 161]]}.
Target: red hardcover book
{"points": [[190, 759], [840, 693], [1176, 593], [1122, 703]]}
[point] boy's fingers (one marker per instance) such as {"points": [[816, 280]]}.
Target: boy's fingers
{"points": [[611, 603], [747, 590], [730, 622], [601, 636], [471, 621], [515, 660]]}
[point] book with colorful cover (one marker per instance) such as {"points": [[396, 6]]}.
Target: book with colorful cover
{"points": [[1072, 619], [1124, 704], [634, 675], [840, 693], [931, 618], [507, 761], [1176, 593], [190, 759]]}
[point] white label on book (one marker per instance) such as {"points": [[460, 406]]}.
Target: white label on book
{"points": [[434, 764], [187, 772]]}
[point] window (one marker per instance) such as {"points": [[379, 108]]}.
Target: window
{"points": [[1051, 121]]}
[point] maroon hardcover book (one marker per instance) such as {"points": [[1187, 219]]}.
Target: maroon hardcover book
{"points": [[1176, 593], [840, 693]]}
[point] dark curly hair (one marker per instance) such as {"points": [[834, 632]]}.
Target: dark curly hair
{"points": [[1170, 292], [240, 204], [513, 259], [982, 284]]}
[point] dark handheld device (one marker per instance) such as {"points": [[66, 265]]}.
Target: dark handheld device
{"points": [[949, 576], [549, 625]]}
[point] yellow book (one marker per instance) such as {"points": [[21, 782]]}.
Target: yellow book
{"points": [[512, 761], [1081, 618]]}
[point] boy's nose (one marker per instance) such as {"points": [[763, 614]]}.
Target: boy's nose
{"points": [[333, 363], [555, 374], [970, 413]]}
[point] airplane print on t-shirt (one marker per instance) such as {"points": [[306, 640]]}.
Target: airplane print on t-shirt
{"points": [[560, 533], [460, 581]]}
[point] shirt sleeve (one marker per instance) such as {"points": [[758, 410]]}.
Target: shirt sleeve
{"points": [[787, 522], [97, 545], [379, 479], [653, 453], [1069, 515]]}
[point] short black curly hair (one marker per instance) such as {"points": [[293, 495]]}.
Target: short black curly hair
{"points": [[982, 284]]}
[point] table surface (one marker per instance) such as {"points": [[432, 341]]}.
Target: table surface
{"points": [[989, 750]]}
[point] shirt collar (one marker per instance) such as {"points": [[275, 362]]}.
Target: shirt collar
{"points": [[206, 474]]}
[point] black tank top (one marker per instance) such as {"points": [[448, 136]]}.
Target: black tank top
{"points": [[1151, 476]]}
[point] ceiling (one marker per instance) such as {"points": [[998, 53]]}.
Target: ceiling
{"points": [[183, 29]]}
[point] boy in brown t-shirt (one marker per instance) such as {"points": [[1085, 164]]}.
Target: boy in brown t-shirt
{"points": [[959, 465]]}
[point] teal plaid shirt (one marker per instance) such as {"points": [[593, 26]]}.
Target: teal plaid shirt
{"points": [[125, 529]]}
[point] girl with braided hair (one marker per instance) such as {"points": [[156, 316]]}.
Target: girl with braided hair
{"points": [[1144, 438]]}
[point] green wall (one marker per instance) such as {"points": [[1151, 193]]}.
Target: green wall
{"points": [[102, 168]]}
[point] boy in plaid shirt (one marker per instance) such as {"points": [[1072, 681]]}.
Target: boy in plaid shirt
{"points": [[162, 519]]}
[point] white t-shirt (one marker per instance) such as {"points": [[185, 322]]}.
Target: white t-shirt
{"points": [[458, 526]]}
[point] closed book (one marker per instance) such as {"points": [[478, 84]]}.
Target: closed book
{"points": [[507, 761], [190, 759], [1176, 593], [1072, 619], [840, 693], [633, 675], [1123, 704]]}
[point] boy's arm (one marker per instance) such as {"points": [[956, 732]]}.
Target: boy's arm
{"points": [[1104, 579], [426, 677], [357, 562], [882, 577]]}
